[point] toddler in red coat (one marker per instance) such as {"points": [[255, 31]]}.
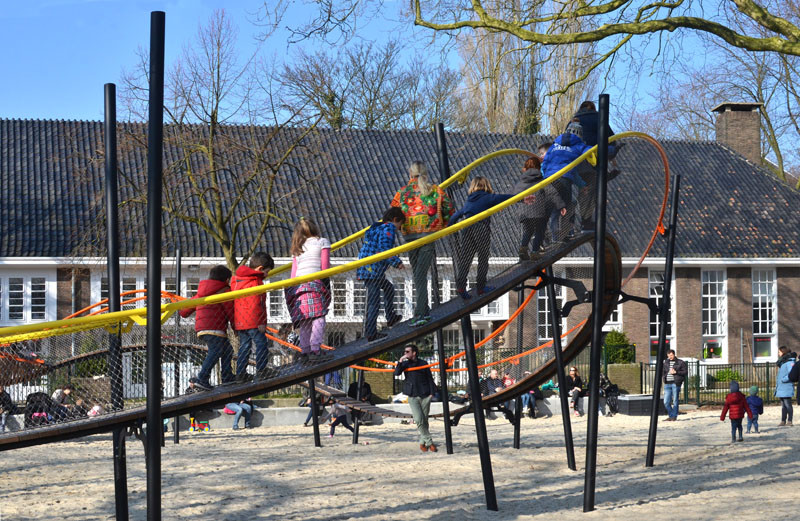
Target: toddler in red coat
{"points": [[211, 325], [736, 403]]}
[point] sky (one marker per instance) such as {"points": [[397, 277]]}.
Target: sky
{"points": [[58, 54]]}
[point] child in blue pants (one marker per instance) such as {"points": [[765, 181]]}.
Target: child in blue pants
{"points": [[756, 405]]}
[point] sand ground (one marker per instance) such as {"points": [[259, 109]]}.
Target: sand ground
{"points": [[277, 473]]}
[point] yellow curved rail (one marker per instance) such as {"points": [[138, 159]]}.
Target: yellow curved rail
{"points": [[125, 319]]}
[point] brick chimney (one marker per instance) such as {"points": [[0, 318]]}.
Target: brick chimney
{"points": [[739, 128]]}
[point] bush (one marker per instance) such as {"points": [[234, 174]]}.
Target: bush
{"points": [[617, 338], [726, 375]]}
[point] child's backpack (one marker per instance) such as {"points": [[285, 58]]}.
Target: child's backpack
{"points": [[38, 407]]}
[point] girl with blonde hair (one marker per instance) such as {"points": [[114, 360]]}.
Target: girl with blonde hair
{"points": [[427, 209], [308, 303], [476, 238]]}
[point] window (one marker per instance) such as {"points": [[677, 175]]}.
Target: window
{"points": [[104, 288], [713, 312], [339, 289], [400, 296], [764, 300], [38, 298], [129, 284], [276, 305], [656, 291], [16, 299], [544, 325], [359, 298], [170, 286], [191, 286], [27, 299]]}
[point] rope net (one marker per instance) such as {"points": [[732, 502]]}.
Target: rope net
{"points": [[434, 250]]}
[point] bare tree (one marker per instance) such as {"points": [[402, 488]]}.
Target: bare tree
{"points": [[228, 143]]}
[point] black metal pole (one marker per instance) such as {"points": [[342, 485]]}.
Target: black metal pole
{"points": [[312, 392], [177, 383], [555, 319], [518, 400], [155, 138], [663, 317], [444, 394], [477, 409], [597, 305], [356, 414], [114, 350]]}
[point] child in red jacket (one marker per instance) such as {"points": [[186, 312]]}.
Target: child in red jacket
{"points": [[737, 404], [250, 315], [211, 325]]}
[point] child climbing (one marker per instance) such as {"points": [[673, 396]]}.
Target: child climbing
{"points": [[308, 303], [378, 238], [476, 238], [211, 325]]}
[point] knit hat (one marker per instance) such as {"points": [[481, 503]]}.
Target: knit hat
{"points": [[734, 386], [753, 390], [575, 128]]}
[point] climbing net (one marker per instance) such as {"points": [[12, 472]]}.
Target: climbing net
{"points": [[414, 275]]}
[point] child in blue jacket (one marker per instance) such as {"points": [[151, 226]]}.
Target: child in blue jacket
{"points": [[756, 405], [475, 238], [378, 238], [565, 149]]}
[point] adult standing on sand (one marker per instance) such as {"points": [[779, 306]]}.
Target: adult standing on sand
{"points": [[419, 387], [675, 371]]}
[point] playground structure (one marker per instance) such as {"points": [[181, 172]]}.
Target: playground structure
{"points": [[106, 339]]}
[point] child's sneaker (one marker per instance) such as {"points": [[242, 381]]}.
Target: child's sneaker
{"points": [[421, 321], [200, 384], [463, 293], [789, 423], [330, 435], [486, 289]]}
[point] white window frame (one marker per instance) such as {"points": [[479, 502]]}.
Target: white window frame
{"points": [[50, 296], [769, 300], [652, 284], [543, 311], [714, 311]]}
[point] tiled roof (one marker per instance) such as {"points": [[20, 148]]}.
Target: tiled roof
{"points": [[51, 194]]}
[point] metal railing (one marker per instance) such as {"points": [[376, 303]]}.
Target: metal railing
{"points": [[708, 384]]}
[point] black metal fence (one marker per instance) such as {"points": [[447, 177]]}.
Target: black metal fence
{"points": [[708, 384]]}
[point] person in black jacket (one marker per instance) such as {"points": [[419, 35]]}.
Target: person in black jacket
{"points": [[419, 387], [675, 371], [574, 386], [6, 407], [794, 376]]}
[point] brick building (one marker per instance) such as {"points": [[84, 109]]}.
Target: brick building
{"points": [[736, 274]]}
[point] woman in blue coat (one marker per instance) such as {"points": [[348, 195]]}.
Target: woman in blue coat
{"points": [[784, 388]]}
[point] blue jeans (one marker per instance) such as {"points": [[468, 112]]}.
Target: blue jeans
{"points": [[528, 401], [262, 350], [239, 409], [334, 377], [3, 416], [374, 289], [752, 422], [672, 393], [421, 260], [219, 348]]}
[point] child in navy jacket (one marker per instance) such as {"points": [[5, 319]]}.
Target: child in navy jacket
{"points": [[476, 238], [379, 238], [565, 149], [736, 403], [756, 406]]}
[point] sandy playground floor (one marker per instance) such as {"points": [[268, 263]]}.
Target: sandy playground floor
{"points": [[276, 473]]}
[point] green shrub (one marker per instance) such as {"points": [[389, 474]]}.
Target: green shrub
{"points": [[617, 338], [726, 375]]}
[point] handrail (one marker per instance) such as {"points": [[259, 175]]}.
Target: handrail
{"points": [[65, 326]]}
